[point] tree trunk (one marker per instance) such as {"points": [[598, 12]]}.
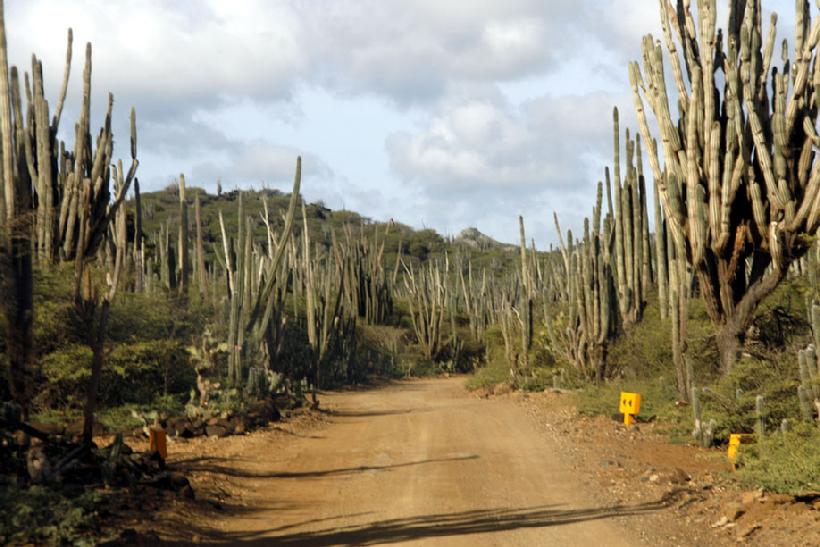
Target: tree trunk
{"points": [[314, 373], [729, 342], [97, 343], [17, 293]]}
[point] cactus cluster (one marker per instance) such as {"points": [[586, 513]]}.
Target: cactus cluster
{"points": [[600, 282], [736, 190], [738, 182], [76, 218], [591, 302], [477, 304], [632, 250], [367, 288], [77, 215], [254, 284], [426, 293], [808, 391], [323, 289]]}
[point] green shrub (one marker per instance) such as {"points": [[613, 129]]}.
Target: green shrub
{"points": [[786, 463], [133, 373], [644, 350], [731, 402], [44, 516]]}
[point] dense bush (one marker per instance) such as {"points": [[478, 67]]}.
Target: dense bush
{"points": [[423, 243], [786, 463], [731, 401], [134, 373], [47, 516]]}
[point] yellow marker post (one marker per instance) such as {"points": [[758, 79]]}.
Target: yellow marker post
{"points": [[735, 440], [629, 406], [157, 442]]}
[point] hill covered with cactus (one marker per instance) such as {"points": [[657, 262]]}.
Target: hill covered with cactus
{"points": [[161, 212]]}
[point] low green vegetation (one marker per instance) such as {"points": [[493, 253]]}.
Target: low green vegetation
{"points": [[48, 516], [149, 361], [783, 462]]}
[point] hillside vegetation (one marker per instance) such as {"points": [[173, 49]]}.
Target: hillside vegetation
{"points": [[154, 335]]}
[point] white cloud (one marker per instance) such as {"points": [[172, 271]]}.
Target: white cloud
{"points": [[487, 162], [481, 144], [508, 103]]}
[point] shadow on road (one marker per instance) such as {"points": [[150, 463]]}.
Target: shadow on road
{"points": [[430, 526], [211, 465], [364, 413]]}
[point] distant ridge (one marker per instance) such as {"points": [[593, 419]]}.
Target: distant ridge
{"points": [[482, 242]]}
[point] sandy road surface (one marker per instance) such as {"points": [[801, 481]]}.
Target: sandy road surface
{"points": [[416, 463]]}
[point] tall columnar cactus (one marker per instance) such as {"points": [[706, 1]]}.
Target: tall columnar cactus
{"points": [[632, 253], [560, 313], [266, 306], [475, 298], [235, 269], [526, 302], [323, 288], [661, 256], [138, 248], [367, 288], [739, 182], [508, 320], [808, 391], [47, 165], [167, 258], [81, 181], [600, 284], [455, 342], [274, 333], [679, 282], [182, 245], [201, 271]]}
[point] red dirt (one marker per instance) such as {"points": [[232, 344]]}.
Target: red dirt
{"points": [[425, 462]]}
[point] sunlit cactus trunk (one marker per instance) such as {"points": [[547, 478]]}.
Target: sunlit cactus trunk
{"points": [[525, 305], [661, 256], [182, 245], [201, 271]]}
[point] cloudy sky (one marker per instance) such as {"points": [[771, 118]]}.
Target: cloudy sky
{"points": [[438, 113]]}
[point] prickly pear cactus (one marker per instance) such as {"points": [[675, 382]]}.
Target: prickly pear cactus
{"points": [[204, 355]]}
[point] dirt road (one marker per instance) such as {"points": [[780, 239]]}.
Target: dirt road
{"points": [[419, 463]]}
